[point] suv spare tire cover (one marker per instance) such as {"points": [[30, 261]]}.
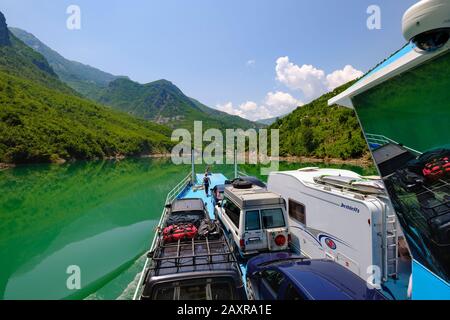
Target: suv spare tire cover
{"points": [[242, 184]]}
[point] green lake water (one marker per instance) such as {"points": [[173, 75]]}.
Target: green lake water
{"points": [[99, 216]]}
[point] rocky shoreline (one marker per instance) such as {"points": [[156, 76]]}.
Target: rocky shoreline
{"points": [[365, 161]]}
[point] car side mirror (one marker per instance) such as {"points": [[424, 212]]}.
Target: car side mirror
{"points": [[168, 206]]}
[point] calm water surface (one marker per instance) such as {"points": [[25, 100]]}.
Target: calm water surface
{"points": [[99, 216]]}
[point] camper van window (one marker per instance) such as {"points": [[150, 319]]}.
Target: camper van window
{"points": [[272, 218], [297, 211], [252, 220], [232, 211]]}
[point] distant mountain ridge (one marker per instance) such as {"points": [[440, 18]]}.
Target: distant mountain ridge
{"points": [[4, 34], [44, 120], [83, 78], [163, 102], [269, 121], [159, 101]]}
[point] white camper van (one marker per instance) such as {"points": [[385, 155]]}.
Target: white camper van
{"points": [[339, 215]]}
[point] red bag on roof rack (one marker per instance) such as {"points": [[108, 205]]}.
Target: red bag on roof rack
{"points": [[176, 232], [437, 168]]}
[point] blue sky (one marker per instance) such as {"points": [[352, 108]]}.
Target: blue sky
{"points": [[254, 58]]}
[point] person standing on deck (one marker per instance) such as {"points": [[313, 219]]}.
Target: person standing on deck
{"points": [[206, 183]]}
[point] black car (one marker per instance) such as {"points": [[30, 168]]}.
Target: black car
{"points": [[192, 259], [189, 210], [201, 268]]}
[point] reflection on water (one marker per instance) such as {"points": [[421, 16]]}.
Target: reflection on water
{"points": [[99, 216]]}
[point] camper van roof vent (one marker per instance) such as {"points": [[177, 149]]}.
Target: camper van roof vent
{"points": [[350, 183], [359, 196], [309, 169]]}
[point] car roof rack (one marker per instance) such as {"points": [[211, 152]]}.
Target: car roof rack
{"points": [[204, 253]]}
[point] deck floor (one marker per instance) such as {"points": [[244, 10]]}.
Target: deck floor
{"points": [[198, 192]]}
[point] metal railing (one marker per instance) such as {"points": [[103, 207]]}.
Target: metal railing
{"points": [[171, 195], [241, 174], [378, 139]]}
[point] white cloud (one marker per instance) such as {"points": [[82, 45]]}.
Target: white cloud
{"points": [[311, 81], [306, 78], [275, 104], [249, 110], [228, 108], [339, 77], [281, 103], [251, 63]]}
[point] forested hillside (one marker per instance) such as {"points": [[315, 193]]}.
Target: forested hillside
{"points": [[163, 102], [85, 79], [43, 120], [318, 130]]}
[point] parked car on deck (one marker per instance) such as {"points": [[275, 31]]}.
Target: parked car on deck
{"points": [[189, 210], [286, 276], [192, 259], [254, 218]]}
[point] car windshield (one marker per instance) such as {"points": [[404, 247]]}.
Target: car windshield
{"points": [[199, 289], [272, 218]]}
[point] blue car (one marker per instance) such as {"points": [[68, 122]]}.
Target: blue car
{"points": [[285, 276]]}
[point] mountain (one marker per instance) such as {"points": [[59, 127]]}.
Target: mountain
{"points": [[319, 130], [4, 34], [269, 121], [158, 101], [163, 102], [19, 60], [44, 120], [83, 78]]}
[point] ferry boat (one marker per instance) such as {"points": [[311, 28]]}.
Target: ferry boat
{"points": [[402, 106], [196, 255]]}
